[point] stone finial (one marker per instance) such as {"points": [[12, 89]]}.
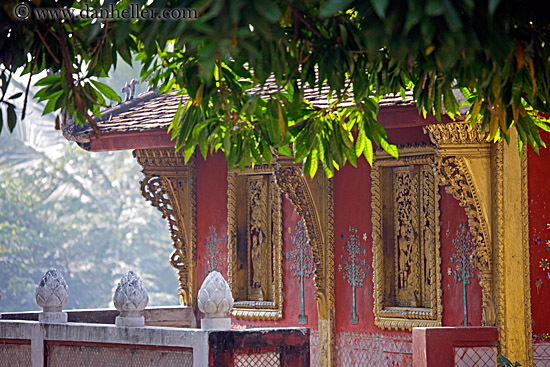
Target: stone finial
{"points": [[52, 294], [130, 299], [215, 300]]}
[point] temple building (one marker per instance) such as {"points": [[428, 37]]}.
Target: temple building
{"points": [[453, 233]]}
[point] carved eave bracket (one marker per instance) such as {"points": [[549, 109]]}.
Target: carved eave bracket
{"points": [[313, 200], [464, 168], [170, 186]]}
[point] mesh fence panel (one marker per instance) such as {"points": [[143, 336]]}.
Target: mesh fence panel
{"points": [[15, 355], [373, 350], [92, 356], [541, 354], [262, 359], [475, 356]]}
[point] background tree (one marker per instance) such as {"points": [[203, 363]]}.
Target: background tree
{"points": [[496, 52], [81, 213]]}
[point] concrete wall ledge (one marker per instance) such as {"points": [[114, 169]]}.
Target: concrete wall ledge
{"points": [[208, 347], [176, 316]]}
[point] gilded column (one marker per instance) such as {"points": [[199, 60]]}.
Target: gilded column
{"points": [[513, 253]]}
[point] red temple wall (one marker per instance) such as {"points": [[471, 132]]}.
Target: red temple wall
{"points": [[539, 233], [352, 207], [212, 212]]}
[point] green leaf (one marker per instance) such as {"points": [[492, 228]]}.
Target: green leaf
{"points": [[361, 142], [12, 118], [50, 79], [380, 7], [106, 90], [268, 9], [435, 7], [332, 7], [369, 151], [390, 148], [50, 106], [16, 95]]}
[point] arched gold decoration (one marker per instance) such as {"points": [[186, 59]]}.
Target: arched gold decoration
{"points": [[464, 150], [457, 180], [170, 186]]}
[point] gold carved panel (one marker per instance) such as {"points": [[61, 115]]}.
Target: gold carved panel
{"points": [[406, 247], [255, 244], [170, 186]]}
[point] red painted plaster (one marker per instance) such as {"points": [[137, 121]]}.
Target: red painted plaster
{"points": [[539, 202], [211, 208], [452, 215]]}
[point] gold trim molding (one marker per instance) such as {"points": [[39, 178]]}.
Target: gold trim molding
{"points": [[170, 186], [237, 195], [427, 308]]}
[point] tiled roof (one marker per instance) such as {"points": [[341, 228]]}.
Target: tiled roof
{"points": [[151, 111]]}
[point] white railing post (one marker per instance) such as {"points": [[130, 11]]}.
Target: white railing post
{"points": [[130, 299], [215, 300], [52, 294]]}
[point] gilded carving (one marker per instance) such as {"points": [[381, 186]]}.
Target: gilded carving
{"points": [[465, 151], [406, 258], [170, 186], [457, 179], [255, 244]]}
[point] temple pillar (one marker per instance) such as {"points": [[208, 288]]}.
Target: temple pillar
{"points": [[490, 181], [513, 253]]}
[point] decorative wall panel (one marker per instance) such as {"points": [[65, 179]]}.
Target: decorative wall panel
{"points": [[406, 259], [255, 244]]}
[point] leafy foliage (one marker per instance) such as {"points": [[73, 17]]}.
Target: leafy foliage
{"points": [[83, 215], [495, 52]]}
